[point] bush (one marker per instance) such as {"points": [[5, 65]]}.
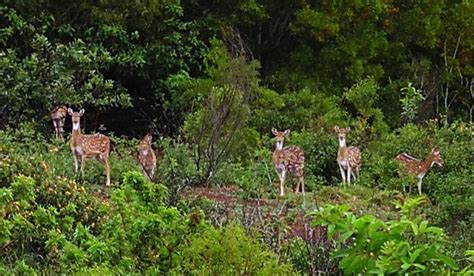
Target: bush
{"points": [[40, 216], [303, 109], [369, 245], [320, 149], [177, 170], [228, 251]]}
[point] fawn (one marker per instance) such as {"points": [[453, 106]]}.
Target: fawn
{"points": [[287, 159], [348, 158], [58, 115], [88, 146], [413, 166], [146, 157]]}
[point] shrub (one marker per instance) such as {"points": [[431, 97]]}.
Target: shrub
{"points": [[369, 245], [228, 251], [295, 110], [39, 217], [177, 170], [320, 150]]}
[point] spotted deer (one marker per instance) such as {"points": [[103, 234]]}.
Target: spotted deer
{"points": [[88, 146], [287, 160], [413, 166], [348, 158], [58, 115], [146, 157]]}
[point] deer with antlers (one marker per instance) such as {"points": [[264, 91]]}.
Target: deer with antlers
{"points": [[146, 157], [58, 116], [413, 166], [88, 146], [287, 160], [348, 158]]}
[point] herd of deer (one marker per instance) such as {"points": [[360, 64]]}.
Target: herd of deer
{"points": [[98, 145], [286, 160], [291, 160]]}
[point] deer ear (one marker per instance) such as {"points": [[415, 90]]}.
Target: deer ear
{"points": [[348, 129], [81, 112], [336, 129], [149, 138], [274, 131], [287, 132], [69, 110]]}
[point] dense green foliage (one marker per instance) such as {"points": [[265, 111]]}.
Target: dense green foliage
{"points": [[209, 79], [370, 245], [50, 223]]}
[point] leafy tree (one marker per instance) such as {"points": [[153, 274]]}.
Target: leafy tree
{"points": [[218, 124], [410, 102]]}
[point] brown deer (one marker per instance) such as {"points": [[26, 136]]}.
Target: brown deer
{"points": [[146, 157], [348, 158], [88, 146], [287, 160], [413, 166], [58, 115]]}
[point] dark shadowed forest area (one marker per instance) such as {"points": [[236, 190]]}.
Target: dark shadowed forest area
{"points": [[245, 137]]}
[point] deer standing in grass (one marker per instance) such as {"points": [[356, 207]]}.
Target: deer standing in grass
{"points": [[413, 166], [348, 158], [88, 146], [287, 160], [146, 157], [58, 115]]}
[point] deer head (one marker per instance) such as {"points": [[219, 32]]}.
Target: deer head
{"points": [[341, 133], [437, 159], [76, 118], [280, 137], [148, 138]]}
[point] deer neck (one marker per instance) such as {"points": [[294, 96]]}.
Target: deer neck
{"points": [[342, 148], [427, 163], [76, 134], [278, 146], [342, 142]]}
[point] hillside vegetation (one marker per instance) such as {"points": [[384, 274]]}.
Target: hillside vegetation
{"points": [[209, 80]]}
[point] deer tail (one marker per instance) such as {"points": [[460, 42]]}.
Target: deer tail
{"points": [[114, 148]]}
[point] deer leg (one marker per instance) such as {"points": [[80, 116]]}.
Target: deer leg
{"points": [[282, 183], [420, 179], [343, 174], [302, 184], [83, 163], [349, 175], [297, 190], [76, 165], [152, 173], [61, 130], [107, 171], [105, 161], [55, 124], [299, 174], [145, 173], [355, 174], [279, 174]]}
